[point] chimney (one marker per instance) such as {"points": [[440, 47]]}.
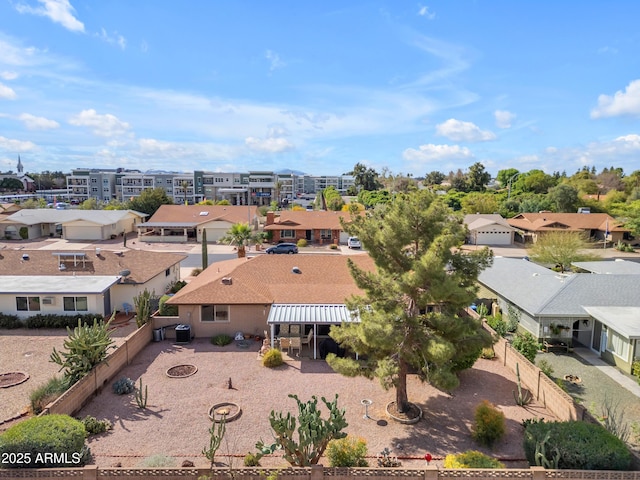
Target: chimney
{"points": [[270, 218]]}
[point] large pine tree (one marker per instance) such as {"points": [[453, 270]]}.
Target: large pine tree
{"points": [[411, 318]]}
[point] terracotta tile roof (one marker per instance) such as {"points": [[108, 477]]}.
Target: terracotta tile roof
{"points": [[192, 213], [565, 221], [143, 265], [270, 279], [303, 220]]}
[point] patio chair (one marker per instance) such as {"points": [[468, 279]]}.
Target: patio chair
{"points": [[296, 344], [127, 307], [307, 340], [285, 343]]}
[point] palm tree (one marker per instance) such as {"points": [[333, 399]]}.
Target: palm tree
{"points": [[239, 234]]}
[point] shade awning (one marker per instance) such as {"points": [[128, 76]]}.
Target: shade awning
{"points": [[318, 314]]}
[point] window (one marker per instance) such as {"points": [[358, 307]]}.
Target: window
{"points": [[167, 272], [75, 304], [617, 345], [325, 234], [287, 234], [215, 313], [28, 304]]}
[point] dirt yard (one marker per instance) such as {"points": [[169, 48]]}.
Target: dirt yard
{"points": [[176, 420]]}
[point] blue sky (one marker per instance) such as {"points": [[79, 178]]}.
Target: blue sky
{"points": [[319, 86]]}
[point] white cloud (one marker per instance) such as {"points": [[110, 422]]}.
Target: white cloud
{"points": [[504, 118], [113, 39], [7, 93], [103, 125], [275, 60], [621, 103], [16, 145], [6, 75], [269, 145], [424, 12], [58, 11], [38, 123], [432, 153], [460, 131]]}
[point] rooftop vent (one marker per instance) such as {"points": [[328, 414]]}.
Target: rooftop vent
{"points": [[227, 281], [296, 270], [204, 214], [124, 273]]}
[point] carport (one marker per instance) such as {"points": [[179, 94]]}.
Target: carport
{"points": [[308, 314]]}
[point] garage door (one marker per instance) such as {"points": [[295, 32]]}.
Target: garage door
{"points": [[497, 237], [83, 233], [344, 236], [215, 234]]}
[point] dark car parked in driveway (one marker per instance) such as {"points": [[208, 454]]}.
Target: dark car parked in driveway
{"points": [[283, 248]]}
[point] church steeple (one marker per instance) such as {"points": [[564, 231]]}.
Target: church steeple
{"points": [[20, 167]]}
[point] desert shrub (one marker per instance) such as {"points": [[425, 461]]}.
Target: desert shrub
{"points": [[302, 242], [123, 386], [10, 321], [386, 460], [488, 353], [167, 310], [24, 233], [47, 393], [333, 246], [93, 426], [498, 325], [195, 272], [489, 424], [347, 452], [545, 367], [471, 459], [273, 358], [157, 461], [60, 435], [575, 445], [221, 340], [527, 345], [61, 321], [635, 369], [251, 460], [464, 362], [177, 286]]}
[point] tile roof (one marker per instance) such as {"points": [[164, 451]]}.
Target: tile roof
{"points": [[565, 221], [143, 265], [34, 216], [192, 213], [304, 220], [270, 279]]}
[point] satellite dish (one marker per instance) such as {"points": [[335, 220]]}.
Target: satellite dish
{"points": [[125, 273]]}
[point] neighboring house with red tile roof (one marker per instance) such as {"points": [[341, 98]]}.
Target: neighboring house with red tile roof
{"points": [[46, 281], [178, 223], [250, 295], [318, 226], [488, 229], [598, 226]]}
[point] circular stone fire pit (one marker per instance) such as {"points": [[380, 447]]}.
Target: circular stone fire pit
{"points": [[228, 410], [181, 371], [11, 379], [573, 378]]}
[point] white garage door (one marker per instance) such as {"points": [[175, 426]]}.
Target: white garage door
{"points": [[215, 234], [344, 236], [83, 233], [493, 237]]}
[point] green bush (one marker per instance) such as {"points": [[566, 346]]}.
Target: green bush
{"points": [[471, 459], [498, 325], [464, 362], [47, 393], [527, 345], [251, 460], [635, 368], [167, 310], [347, 452], [488, 353], [333, 246], [195, 272], [93, 426], [61, 321], [545, 367], [24, 233], [575, 445], [60, 437], [221, 340], [123, 386], [273, 358], [489, 425], [10, 322], [302, 242], [177, 286]]}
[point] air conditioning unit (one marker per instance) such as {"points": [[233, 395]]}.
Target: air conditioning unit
{"points": [[49, 300]]}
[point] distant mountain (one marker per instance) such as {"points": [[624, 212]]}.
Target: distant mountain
{"points": [[288, 171]]}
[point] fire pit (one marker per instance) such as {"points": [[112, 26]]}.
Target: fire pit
{"points": [[181, 371], [572, 378], [11, 379]]}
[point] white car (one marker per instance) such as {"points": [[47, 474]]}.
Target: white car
{"points": [[354, 242]]}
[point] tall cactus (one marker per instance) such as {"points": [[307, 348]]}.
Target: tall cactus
{"points": [[215, 439], [142, 304], [541, 454], [524, 397], [314, 432]]}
